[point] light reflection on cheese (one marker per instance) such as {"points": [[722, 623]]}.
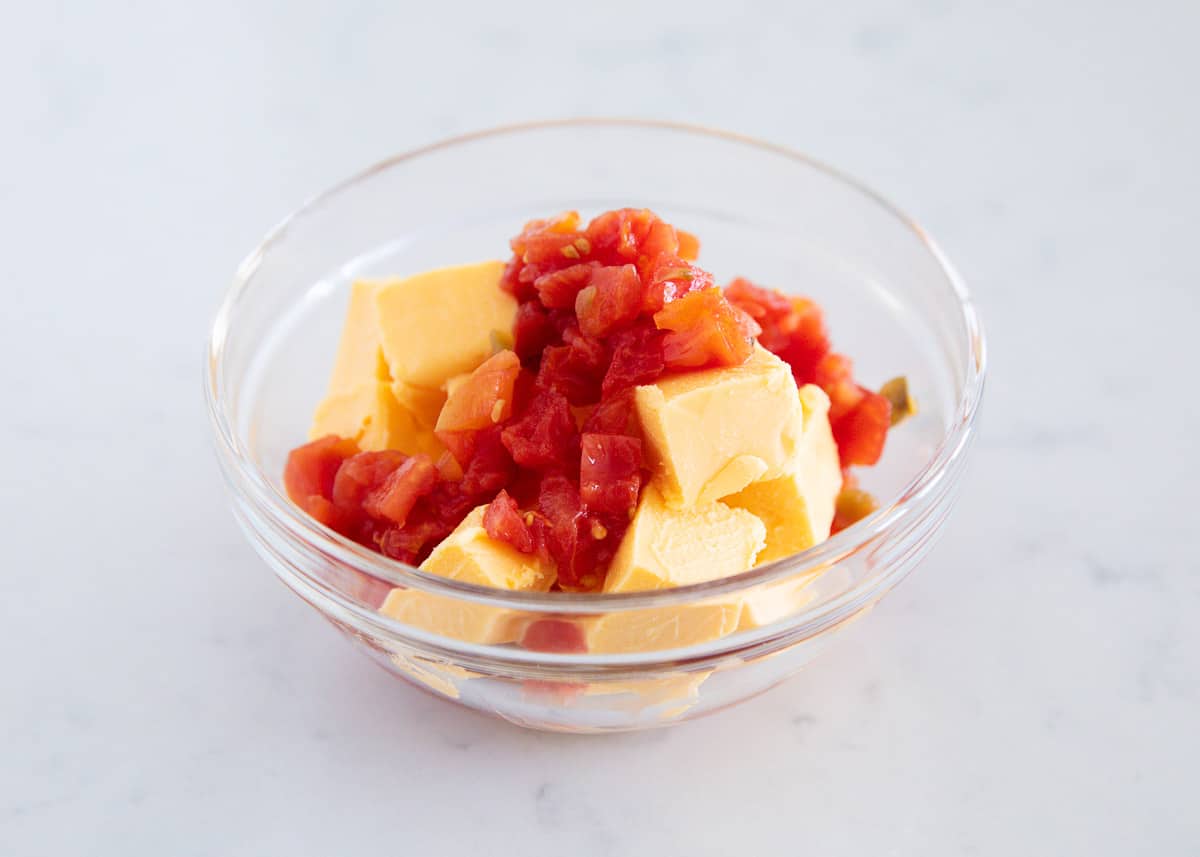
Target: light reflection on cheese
{"points": [[711, 433]]}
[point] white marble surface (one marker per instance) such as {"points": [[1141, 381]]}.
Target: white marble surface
{"points": [[1033, 689]]}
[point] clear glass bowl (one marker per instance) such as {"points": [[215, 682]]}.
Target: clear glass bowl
{"points": [[891, 299]]}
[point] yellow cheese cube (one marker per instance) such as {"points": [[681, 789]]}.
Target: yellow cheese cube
{"points": [[661, 627], [442, 323], [666, 547], [798, 507], [450, 617], [360, 354], [470, 555], [371, 416], [710, 434], [774, 601], [425, 405]]}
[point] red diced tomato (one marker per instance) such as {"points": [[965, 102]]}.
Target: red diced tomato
{"points": [[610, 473], [613, 298], [615, 237], [532, 330], [573, 371], [689, 245], [853, 504], [504, 522], [704, 329], [395, 498], [490, 466], [358, 476], [860, 434], [671, 278], [311, 470], [485, 398], [808, 340], [637, 358], [545, 437], [558, 289], [555, 636], [613, 415]]}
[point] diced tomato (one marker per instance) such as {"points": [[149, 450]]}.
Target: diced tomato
{"points": [[689, 245], [614, 415], [669, 279], [808, 340], [615, 237], [576, 368], [490, 466], [661, 240], [542, 241], [310, 472], [554, 636], [485, 398], [448, 467], [504, 522], [853, 504], [512, 282], [612, 299], [792, 327], [395, 498], [835, 375], [358, 476], [545, 437], [558, 289], [704, 329], [532, 330], [573, 372], [560, 513], [414, 541], [610, 473], [860, 434], [637, 358]]}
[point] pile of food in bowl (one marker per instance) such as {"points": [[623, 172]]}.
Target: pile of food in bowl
{"points": [[594, 415]]}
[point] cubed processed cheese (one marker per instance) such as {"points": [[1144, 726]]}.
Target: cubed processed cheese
{"points": [[798, 506], [424, 404], [656, 628], [709, 434], [666, 547], [371, 416], [774, 601], [360, 353], [442, 323], [470, 555]]}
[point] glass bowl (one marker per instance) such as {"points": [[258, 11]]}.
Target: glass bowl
{"points": [[890, 297]]}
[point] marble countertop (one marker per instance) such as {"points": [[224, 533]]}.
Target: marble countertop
{"points": [[1034, 688]]}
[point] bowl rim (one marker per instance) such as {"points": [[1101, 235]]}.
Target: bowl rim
{"points": [[245, 475]]}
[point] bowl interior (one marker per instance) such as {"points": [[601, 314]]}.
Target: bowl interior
{"points": [[761, 213]]}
